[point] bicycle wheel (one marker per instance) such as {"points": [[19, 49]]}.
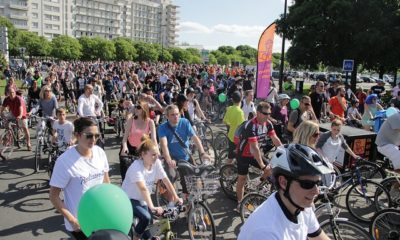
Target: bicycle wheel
{"points": [[209, 149], [201, 223], [222, 158], [228, 179], [208, 132], [372, 171], [6, 144], [385, 224], [391, 184], [221, 142], [38, 153], [343, 230], [249, 203], [363, 200], [160, 195]]}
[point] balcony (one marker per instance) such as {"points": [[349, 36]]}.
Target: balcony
{"points": [[19, 16], [19, 6]]}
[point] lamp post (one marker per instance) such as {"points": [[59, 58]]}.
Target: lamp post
{"points": [[283, 50], [162, 41]]}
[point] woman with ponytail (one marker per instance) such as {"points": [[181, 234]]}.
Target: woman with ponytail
{"points": [[139, 184]]}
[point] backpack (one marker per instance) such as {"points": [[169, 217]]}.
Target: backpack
{"points": [[238, 137]]}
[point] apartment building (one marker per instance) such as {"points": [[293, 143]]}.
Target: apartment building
{"points": [[152, 21]]}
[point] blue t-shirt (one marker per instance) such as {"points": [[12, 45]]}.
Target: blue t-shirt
{"points": [[184, 130]]}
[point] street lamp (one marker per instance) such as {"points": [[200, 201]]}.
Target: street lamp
{"points": [[162, 41], [283, 50]]}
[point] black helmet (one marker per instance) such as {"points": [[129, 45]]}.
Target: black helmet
{"points": [[295, 160]]}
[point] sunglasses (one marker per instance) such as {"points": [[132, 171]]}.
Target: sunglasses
{"points": [[308, 184], [265, 113], [91, 135], [315, 135], [138, 107]]}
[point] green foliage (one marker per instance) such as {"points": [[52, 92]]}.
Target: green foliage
{"points": [[165, 56], [35, 45], [180, 55], [228, 50], [212, 59], [329, 31], [124, 49], [105, 49], [66, 48], [88, 48], [146, 52]]}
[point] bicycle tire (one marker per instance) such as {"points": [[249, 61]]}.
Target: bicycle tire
{"points": [[249, 204], [228, 179], [222, 158], [345, 230], [201, 224], [38, 155], [160, 200], [208, 132], [374, 198], [386, 224], [7, 144], [169, 235], [209, 149], [387, 183], [371, 171]]}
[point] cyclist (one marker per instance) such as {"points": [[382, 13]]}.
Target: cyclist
{"points": [[279, 114], [297, 171], [248, 105], [174, 136], [17, 108], [388, 139], [250, 145], [337, 105], [234, 116], [139, 182], [87, 103], [303, 113], [63, 130], [87, 166], [194, 108]]}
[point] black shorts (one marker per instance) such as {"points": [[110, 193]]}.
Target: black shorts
{"points": [[243, 164], [231, 150]]}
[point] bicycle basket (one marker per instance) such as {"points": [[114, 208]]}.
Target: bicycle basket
{"points": [[205, 185]]}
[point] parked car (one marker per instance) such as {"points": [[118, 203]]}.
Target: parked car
{"points": [[367, 79]]}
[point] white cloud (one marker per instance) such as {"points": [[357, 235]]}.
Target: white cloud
{"points": [[193, 27]]}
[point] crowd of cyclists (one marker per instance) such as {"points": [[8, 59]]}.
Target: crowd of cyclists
{"points": [[160, 104]]}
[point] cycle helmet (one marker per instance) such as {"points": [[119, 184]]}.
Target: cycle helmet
{"points": [[283, 96], [295, 160]]}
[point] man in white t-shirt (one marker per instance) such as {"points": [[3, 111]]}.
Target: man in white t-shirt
{"points": [[247, 105], [63, 130], [287, 213], [87, 103]]}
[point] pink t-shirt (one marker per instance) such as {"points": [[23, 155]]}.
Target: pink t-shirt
{"points": [[136, 134]]}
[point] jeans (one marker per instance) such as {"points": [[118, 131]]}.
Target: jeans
{"points": [[142, 213]]}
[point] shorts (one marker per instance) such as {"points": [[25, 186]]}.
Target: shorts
{"points": [[392, 152], [231, 150], [243, 164], [23, 123]]}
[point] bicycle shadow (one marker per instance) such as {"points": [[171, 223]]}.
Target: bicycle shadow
{"points": [[40, 227], [16, 168]]}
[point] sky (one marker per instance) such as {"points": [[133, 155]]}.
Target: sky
{"points": [[214, 23]]}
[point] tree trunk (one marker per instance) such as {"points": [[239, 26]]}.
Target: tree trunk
{"points": [[381, 72], [353, 81]]}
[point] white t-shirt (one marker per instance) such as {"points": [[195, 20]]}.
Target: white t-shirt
{"points": [[247, 108], [136, 173], [76, 174], [87, 105], [352, 113], [268, 221], [64, 131], [331, 148]]}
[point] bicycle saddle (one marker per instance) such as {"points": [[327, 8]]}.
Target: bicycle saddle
{"points": [[191, 169]]}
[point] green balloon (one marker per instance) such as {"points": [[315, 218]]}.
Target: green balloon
{"points": [[294, 103], [222, 97], [105, 206]]}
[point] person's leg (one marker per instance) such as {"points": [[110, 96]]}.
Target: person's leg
{"points": [[243, 170], [24, 125], [392, 152], [143, 215], [231, 152], [79, 235]]}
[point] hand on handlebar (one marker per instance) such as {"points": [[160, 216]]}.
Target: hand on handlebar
{"points": [[157, 211]]}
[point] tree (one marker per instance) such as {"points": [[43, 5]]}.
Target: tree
{"points": [[180, 55], [105, 49], [227, 50], [247, 52], [88, 48], [124, 49], [146, 52], [166, 56], [223, 59], [66, 48], [212, 59], [35, 45]]}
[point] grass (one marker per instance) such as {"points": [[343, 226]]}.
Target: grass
{"points": [[3, 84]]}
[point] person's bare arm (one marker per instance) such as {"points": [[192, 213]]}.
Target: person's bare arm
{"points": [[58, 204], [165, 152]]}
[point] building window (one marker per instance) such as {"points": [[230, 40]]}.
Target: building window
{"points": [[35, 15], [35, 25], [35, 6]]}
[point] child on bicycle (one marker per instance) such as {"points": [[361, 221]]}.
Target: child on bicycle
{"points": [[63, 130], [139, 183]]}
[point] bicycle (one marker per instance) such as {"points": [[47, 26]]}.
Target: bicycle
{"points": [[338, 228], [385, 224], [12, 136], [162, 228], [42, 141], [54, 151], [201, 181]]}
